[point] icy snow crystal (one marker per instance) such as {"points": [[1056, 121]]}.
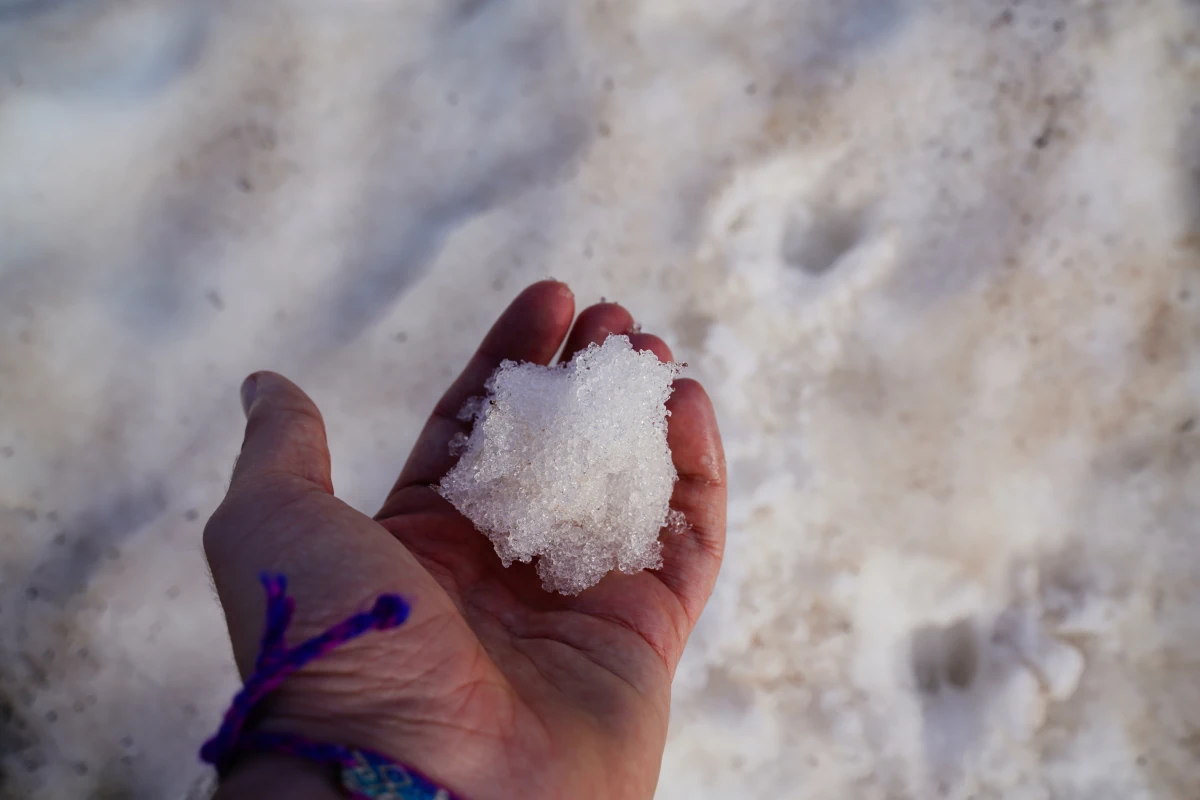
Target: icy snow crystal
{"points": [[571, 464]]}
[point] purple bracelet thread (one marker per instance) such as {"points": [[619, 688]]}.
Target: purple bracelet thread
{"points": [[366, 774]]}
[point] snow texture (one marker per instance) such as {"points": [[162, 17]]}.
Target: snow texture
{"points": [[571, 464], [935, 262]]}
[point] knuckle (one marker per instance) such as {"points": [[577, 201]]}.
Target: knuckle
{"points": [[215, 537]]}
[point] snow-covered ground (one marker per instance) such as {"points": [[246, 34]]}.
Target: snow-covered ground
{"points": [[937, 262]]}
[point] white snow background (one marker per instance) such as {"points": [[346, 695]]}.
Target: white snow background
{"points": [[937, 261]]}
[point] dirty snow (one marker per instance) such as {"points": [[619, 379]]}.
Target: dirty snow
{"points": [[935, 261]]}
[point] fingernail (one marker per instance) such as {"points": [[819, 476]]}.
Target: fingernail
{"points": [[249, 389]]}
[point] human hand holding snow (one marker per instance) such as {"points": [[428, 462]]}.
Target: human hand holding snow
{"points": [[493, 687]]}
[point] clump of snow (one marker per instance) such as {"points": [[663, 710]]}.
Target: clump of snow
{"points": [[571, 464]]}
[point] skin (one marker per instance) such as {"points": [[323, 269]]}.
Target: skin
{"points": [[493, 687]]}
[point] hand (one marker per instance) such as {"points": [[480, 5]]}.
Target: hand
{"points": [[493, 687]]}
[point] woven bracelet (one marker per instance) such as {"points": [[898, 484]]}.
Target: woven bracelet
{"points": [[363, 773]]}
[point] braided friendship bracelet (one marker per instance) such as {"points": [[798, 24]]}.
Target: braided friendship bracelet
{"points": [[364, 774]]}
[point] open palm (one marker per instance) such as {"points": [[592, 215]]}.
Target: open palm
{"points": [[494, 687]]}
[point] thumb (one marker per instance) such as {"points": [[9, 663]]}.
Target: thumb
{"points": [[285, 435], [284, 459]]}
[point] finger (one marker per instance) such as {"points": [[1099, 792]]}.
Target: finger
{"points": [[530, 329], [279, 515], [648, 341], [692, 558], [284, 462], [594, 325], [285, 435]]}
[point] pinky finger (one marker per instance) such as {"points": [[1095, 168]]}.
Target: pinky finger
{"points": [[692, 558]]}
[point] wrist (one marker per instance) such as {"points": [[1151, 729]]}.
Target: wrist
{"points": [[270, 775], [356, 770], [254, 752], [366, 750]]}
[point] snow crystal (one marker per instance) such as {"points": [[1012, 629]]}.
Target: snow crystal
{"points": [[571, 464]]}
